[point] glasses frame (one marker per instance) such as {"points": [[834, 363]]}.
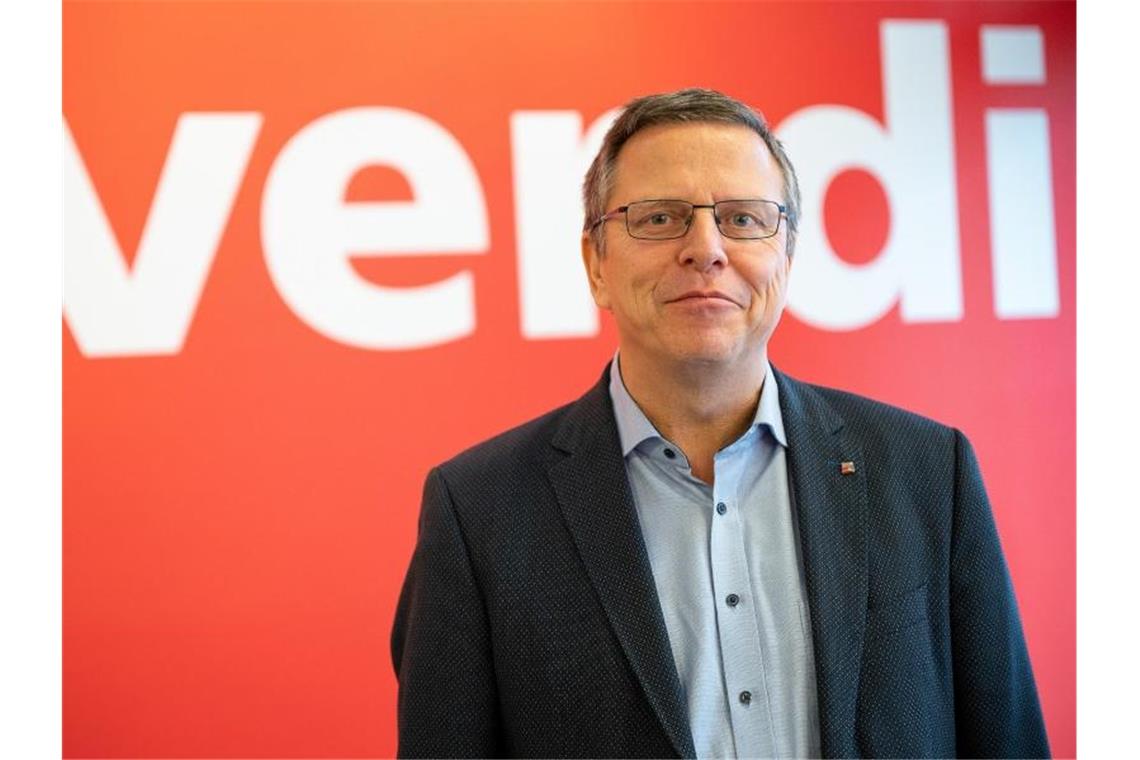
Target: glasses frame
{"points": [[621, 211]]}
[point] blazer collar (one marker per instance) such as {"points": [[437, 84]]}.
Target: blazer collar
{"points": [[827, 473], [596, 500], [831, 510]]}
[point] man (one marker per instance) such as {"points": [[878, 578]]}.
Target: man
{"points": [[703, 556]]}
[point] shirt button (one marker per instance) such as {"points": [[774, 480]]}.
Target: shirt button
{"points": [[721, 508], [669, 453], [746, 698], [732, 600]]}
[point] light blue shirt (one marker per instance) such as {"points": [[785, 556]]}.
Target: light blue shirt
{"points": [[725, 561]]}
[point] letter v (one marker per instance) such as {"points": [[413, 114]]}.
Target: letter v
{"points": [[115, 312]]}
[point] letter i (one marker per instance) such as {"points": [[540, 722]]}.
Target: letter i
{"points": [[1022, 239]]}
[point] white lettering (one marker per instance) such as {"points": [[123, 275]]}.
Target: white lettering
{"points": [[550, 156], [308, 231], [1022, 242], [1013, 55], [115, 312], [913, 156]]}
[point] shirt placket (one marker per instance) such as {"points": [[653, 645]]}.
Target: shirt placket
{"points": [[743, 661]]}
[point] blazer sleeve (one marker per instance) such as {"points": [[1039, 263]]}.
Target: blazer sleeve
{"points": [[997, 713], [441, 646]]}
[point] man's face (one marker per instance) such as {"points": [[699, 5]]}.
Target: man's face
{"points": [[703, 297]]}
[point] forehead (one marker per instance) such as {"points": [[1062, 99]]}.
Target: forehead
{"points": [[696, 162]]}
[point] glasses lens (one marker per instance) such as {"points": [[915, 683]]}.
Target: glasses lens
{"points": [[748, 220], [658, 220]]}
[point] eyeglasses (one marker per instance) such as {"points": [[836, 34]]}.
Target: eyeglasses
{"points": [[669, 219]]}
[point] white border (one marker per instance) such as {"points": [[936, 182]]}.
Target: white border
{"points": [[30, 383], [1108, 294], [31, 255]]}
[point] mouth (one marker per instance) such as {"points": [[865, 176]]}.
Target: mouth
{"points": [[704, 296]]}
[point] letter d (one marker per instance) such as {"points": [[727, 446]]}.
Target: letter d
{"points": [[912, 155]]}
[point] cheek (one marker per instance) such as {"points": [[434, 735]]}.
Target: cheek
{"points": [[770, 278], [616, 282], [637, 286]]}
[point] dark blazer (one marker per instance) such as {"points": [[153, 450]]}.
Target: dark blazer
{"points": [[529, 623]]}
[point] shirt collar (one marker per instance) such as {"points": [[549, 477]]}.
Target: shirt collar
{"points": [[634, 427]]}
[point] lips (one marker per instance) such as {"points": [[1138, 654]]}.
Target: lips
{"points": [[703, 294]]}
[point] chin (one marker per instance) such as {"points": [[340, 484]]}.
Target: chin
{"points": [[708, 351]]}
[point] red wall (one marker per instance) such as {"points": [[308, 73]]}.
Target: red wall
{"points": [[241, 480]]}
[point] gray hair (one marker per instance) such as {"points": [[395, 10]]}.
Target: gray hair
{"points": [[693, 105]]}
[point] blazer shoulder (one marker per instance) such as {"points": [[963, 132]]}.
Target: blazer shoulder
{"points": [[871, 420], [522, 446], [527, 448]]}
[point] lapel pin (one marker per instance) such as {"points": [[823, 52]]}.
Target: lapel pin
{"points": [[847, 468]]}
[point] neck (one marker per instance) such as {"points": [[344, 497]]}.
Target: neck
{"points": [[700, 407]]}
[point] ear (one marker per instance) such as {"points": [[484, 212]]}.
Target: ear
{"points": [[593, 260]]}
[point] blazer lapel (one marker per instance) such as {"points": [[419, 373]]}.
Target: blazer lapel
{"points": [[831, 506], [590, 482]]}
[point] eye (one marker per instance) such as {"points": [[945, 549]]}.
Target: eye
{"points": [[655, 217], [658, 220], [747, 219], [744, 221]]}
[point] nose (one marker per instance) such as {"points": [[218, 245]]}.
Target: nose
{"points": [[703, 245]]}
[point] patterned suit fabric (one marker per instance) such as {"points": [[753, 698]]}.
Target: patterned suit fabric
{"points": [[529, 623]]}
